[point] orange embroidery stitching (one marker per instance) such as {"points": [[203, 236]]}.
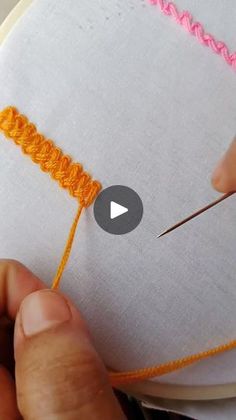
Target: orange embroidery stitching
{"points": [[80, 185], [50, 158]]}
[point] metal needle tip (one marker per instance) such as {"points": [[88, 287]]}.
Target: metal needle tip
{"points": [[162, 234], [195, 214]]}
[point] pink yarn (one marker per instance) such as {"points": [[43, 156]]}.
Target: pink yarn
{"points": [[195, 28]]}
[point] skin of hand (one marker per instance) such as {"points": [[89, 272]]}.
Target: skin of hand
{"points": [[58, 373], [224, 176]]}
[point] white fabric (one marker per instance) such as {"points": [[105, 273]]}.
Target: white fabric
{"points": [[139, 102]]}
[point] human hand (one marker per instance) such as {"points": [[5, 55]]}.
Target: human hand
{"points": [[224, 176], [59, 375]]}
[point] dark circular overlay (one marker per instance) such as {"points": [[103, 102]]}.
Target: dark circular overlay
{"points": [[122, 196]]}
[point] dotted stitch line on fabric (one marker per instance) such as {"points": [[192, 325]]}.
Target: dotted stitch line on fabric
{"points": [[196, 29]]}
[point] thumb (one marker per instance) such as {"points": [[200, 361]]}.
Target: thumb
{"points": [[224, 176], [58, 372]]}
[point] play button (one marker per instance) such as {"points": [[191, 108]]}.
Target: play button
{"points": [[118, 209]]}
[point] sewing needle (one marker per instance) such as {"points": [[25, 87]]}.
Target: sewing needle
{"points": [[197, 213]]}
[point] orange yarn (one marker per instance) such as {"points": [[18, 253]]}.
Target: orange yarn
{"points": [[67, 250], [80, 185], [123, 378], [51, 159]]}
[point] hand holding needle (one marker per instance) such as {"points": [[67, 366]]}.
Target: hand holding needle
{"points": [[223, 180]]}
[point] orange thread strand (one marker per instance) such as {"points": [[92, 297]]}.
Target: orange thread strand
{"points": [[80, 185], [67, 250], [123, 378], [51, 159]]}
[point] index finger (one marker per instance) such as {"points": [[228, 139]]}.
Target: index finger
{"points": [[224, 176], [16, 282]]}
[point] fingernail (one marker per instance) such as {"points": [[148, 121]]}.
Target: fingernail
{"points": [[43, 310]]}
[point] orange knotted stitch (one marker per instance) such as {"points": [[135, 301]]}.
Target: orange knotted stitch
{"points": [[51, 159]]}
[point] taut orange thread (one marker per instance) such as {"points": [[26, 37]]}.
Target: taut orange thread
{"points": [[51, 159], [67, 250], [80, 185], [129, 377]]}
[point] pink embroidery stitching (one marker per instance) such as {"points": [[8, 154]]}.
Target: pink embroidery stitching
{"points": [[195, 28]]}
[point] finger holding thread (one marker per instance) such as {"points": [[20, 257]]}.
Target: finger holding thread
{"points": [[58, 372], [16, 282]]}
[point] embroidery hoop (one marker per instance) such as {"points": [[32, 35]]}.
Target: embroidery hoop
{"points": [[145, 388]]}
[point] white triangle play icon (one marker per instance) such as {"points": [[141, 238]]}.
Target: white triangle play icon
{"points": [[116, 210]]}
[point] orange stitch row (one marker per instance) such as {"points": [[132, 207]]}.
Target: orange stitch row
{"points": [[80, 185], [50, 158]]}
